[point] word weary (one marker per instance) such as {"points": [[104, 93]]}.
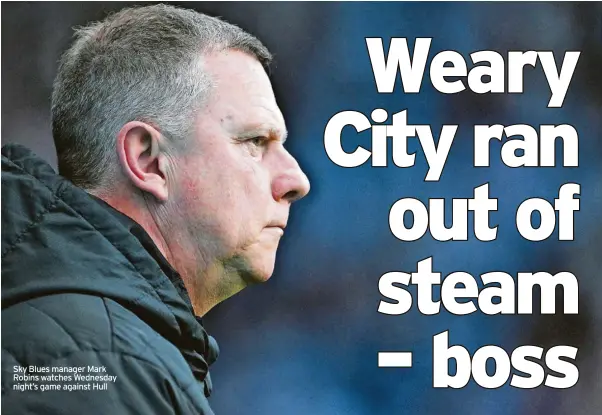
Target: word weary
{"points": [[488, 77]]}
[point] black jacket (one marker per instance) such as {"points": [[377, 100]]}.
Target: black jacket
{"points": [[83, 286]]}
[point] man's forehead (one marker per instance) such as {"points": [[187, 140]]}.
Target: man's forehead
{"points": [[242, 96], [235, 69]]}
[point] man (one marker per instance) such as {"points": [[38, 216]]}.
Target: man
{"points": [[178, 192]]}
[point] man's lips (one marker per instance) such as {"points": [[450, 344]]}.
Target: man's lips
{"points": [[277, 224], [276, 228]]}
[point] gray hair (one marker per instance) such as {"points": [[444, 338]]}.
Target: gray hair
{"points": [[144, 64]]}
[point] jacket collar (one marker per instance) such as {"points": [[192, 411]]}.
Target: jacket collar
{"points": [[142, 279], [146, 241], [210, 348]]}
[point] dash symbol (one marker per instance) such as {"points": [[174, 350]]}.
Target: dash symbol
{"points": [[394, 359]]}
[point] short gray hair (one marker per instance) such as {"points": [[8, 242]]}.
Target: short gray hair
{"points": [[144, 64]]}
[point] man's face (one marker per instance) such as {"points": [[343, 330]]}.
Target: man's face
{"points": [[237, 181]]}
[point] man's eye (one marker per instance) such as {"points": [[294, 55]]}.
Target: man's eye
{"points": [[256, 146], [258, 141]]}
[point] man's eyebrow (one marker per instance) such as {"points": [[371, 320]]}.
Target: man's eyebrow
{"points": [[265, 130]]}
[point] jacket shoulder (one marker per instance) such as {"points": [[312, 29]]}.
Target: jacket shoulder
{"points": [[44, 329], [55, 325], [73, 329]]}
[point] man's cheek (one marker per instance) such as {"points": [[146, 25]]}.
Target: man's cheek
{"points": [[193, 193]]}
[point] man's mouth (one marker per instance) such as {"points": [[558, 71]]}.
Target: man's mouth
{"points": [[278, 229], [281, 224]]}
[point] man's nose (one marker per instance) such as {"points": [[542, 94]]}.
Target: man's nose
{"points": [[290, 183]]}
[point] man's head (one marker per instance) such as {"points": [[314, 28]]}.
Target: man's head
{"points": [[169, 115]]}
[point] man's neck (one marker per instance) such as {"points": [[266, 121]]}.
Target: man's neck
{"points": [[143, 218], [203, 284]]}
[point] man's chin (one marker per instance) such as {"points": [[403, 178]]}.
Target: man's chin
{"points": [[253, 270], [260, 272]]}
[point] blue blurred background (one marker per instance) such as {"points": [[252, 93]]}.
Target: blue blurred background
{"points": [[307, 341]]}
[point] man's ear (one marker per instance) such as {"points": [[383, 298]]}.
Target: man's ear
{"points": [[142, 159]]}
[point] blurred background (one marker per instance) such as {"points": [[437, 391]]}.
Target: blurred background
{"points": [[307, 341]]}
